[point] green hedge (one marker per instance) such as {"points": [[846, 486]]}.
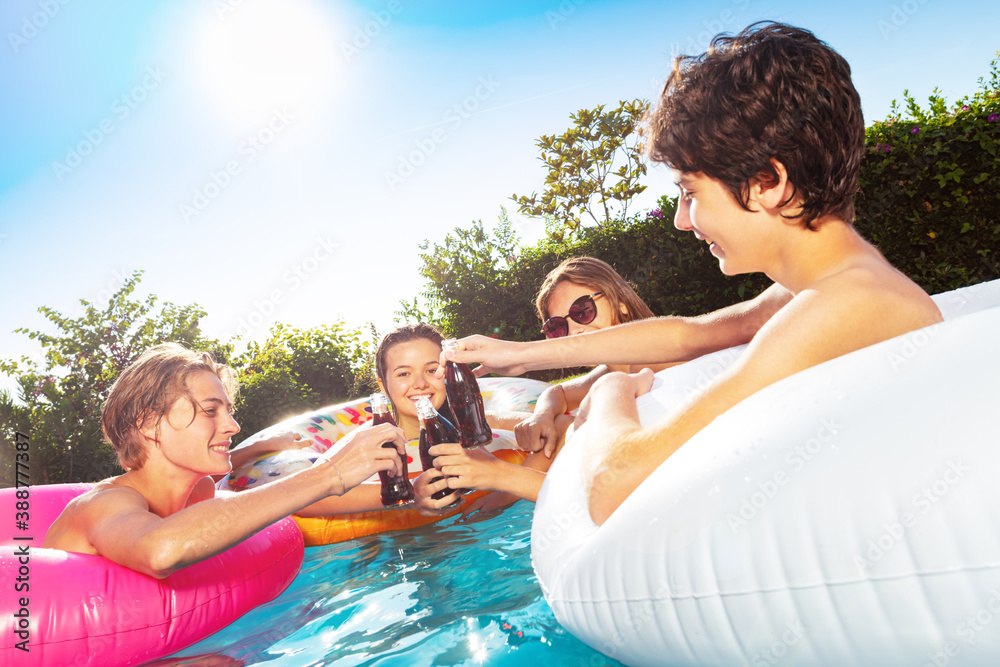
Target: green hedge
{"points": [[930, 189]]}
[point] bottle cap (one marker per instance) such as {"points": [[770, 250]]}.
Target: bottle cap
{"points": [[425, 409], [380, 403]]}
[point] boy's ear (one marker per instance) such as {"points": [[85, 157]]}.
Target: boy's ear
{"points": [[147, 428], [772, 190]]}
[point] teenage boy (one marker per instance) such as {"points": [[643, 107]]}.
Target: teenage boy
{"points": [[168, 416], [764, 136]]}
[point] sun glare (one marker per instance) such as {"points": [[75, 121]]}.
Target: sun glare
{"points": [[257, 56]]}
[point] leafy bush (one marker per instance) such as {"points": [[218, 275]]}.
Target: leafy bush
{"points": [[467, 281], [295, 371], [930, 188]]}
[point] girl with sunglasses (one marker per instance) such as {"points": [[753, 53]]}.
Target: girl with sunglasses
{"points": [[585, 294], [580, 295]]}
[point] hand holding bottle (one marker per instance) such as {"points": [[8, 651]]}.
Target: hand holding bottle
{"points": [[396, 490], [360, 454], [493, 355], [434, 430], [430, 483], [466, 402], [465, 468]]}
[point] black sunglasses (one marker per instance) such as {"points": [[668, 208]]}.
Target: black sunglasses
{"points": [[583, 311]]}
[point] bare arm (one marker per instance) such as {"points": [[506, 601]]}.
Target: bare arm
{"points": [[509, 482], [815, 327], [540, 431], [505, 420], [362, 498], [662, 340], [479, 469], [565, 396], [498, 500], [120, 526]]}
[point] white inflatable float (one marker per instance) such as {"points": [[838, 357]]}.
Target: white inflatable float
{"points": [[847, 515]]}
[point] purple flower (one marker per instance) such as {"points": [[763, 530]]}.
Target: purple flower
{"points": [[915, 130], [886, 148], [992, 117], [965, 107], [655, 213]]}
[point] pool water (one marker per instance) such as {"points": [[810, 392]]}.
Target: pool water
{"points": [[452, 593]]}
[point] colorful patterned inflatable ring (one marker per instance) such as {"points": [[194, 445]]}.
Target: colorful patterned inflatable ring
{"points": [[342, 527], [328, 425], [86, 610], [511, 394]]}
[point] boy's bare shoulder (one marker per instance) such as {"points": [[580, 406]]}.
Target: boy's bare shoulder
{"points": [[879, 297], [204, 490], [70, 529], [863, 303]]}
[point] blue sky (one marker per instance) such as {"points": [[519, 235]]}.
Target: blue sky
{"points": [[281, 160]]}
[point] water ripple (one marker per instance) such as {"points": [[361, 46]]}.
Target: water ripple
{"points": [[448, 594]]}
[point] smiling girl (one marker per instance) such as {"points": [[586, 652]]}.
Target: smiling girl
{"points": [[406, 363]]}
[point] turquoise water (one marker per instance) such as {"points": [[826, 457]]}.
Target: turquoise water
{"points": [[448, 594]]}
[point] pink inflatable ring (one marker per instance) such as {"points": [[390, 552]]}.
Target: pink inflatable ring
{"points": [[76, 609]]}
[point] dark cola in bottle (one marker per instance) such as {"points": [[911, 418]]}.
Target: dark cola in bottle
{"points": [[466, 402], [434, 430], [395, 490]]}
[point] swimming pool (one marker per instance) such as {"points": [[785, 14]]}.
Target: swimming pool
{"points": [[446, 594]]}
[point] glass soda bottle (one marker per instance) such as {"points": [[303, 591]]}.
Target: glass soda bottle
{"points": [[395, 490], [434, 430], [466, 402]]}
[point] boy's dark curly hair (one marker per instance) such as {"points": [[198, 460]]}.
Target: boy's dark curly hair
{"points": [[773, 91]]}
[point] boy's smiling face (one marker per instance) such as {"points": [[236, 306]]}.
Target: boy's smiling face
{"points": [[197, 437], [709, 210]]}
